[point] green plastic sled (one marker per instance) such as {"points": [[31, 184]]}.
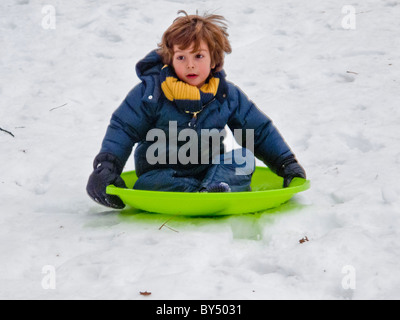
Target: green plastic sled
{"points": [[267, 192]]}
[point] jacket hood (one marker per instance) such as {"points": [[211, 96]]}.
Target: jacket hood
{"points": [[149, 65]]}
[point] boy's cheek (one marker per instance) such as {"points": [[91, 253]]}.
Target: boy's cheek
{"points": [[178, 70]]}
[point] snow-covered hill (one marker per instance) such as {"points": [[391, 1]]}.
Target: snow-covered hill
{"points": [[333, 92]]}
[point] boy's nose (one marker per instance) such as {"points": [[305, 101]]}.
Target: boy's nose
{"points": [[190, 64]]}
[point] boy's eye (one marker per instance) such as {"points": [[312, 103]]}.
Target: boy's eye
{"points": [[199, 56], [180, 58]]}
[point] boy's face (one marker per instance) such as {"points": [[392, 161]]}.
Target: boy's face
{"points": [[192, 67]]}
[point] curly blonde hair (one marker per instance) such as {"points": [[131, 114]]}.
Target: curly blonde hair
{"points": [[192, 29]]}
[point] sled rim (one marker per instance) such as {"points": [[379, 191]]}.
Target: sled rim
{"points": [[195, 203]]}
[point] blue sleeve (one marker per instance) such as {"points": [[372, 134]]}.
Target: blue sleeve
{"points": [[269, 145], [129, 124]]}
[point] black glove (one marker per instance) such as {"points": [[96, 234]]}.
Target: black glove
{"points": [[107, 171], [290, 169]]}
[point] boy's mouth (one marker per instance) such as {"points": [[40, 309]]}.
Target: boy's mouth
{"points": [[192, 76]]}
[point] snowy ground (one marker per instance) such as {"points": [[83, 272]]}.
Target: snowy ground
{"points": [[332, 92]]}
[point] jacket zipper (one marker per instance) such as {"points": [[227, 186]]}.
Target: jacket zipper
{"points": [[193, 121]]}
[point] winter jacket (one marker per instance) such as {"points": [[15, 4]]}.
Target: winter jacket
{"points": [[146, 108]]}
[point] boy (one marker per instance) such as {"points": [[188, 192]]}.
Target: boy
{"points": [[184, 94]]}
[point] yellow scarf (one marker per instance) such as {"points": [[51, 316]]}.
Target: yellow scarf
{"points": [[189, 99]]}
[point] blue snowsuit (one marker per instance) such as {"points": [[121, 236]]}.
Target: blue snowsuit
{"points": [[146, 108]]}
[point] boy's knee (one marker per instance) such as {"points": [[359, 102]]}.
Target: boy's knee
{"points": [[155, 180], [166, 180]]}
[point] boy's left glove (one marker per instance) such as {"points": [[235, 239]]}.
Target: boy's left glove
{"points": [[290, 169], [107, 171]]}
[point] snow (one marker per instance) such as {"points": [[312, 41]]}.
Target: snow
{"points": [[332, 92]]}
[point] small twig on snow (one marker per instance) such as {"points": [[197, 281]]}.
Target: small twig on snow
{"points": [[172, 229], [361, 12], [58, 107], [165, 225], [7, 132]]}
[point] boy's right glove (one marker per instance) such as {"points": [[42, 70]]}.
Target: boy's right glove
{"points": [[107, 171], [290, 169]]}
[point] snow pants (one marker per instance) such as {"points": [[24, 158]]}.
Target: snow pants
{"points": [[235, 168]]}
